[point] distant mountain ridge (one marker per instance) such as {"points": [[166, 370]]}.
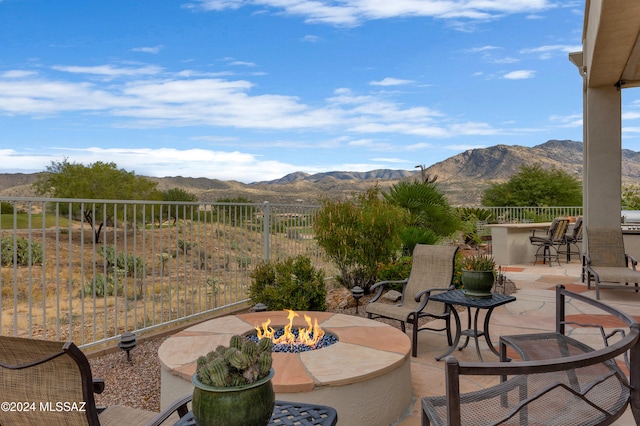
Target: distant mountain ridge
{"points": [[462, 177]]}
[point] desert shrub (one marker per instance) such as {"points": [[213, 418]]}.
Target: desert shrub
{"points": [[6, 208], [103, 285], [130, 264], [413, 235], [25, 254], [469, 216], [185, 245], [358, 235], [457, 271], [394, 271], [292, 283]]}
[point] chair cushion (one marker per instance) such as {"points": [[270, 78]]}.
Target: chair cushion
{"points": [[617, 274], [388, 310]]}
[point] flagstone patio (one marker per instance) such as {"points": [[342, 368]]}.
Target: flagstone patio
{"points": [[532, 312]]}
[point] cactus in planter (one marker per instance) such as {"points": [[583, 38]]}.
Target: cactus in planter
{"points": [[243, 362]]}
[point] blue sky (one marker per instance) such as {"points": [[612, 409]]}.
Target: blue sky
{"points": [[252, 90]]}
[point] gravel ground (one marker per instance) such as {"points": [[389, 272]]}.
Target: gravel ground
{"points": [[137, 383]]}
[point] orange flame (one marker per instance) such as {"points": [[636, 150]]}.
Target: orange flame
{"points": [[288, 338]]}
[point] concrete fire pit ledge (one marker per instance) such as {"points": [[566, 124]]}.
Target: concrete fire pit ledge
{"points": [[365, 376]]}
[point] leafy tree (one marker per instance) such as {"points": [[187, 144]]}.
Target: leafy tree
{"points": [[6, 208], [430, 215], [174, 211], [535, 186], [358, 234], [631, 197], [96, 181]]}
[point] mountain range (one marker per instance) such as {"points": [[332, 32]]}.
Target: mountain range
{"points": [[463, 177]]}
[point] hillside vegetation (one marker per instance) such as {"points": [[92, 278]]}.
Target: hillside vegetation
{"points": [[463, 177]]}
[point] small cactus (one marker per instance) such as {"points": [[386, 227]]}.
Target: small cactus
{"points": [[243, 362]]}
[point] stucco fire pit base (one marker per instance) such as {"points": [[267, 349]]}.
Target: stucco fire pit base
{"points": [[365, 376]]}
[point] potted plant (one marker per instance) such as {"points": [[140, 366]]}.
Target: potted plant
{"points": [[232, 385], [478, 275]]}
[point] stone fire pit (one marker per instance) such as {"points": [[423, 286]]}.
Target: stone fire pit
{"points": [[365, 376]]}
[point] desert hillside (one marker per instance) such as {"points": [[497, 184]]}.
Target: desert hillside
{"points": [[462, 177]]}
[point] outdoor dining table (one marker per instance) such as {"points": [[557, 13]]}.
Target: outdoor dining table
{"points": [[458, 297], [287, 413]]}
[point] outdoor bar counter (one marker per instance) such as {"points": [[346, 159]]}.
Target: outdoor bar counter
{"points": [[510, 242]]}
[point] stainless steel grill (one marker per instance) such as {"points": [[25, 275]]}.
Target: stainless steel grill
{"points": [[630, 220]]}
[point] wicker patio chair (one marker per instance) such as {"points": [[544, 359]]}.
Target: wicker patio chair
{"points": [[431, 271], [548, 242], [606, 260], [49, 383]]}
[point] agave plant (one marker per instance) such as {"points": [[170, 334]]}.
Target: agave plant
{"points": [[242, 363], [480, 262]]}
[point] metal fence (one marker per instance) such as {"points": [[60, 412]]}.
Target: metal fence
{"points": [[531, 214], [88, 270]]}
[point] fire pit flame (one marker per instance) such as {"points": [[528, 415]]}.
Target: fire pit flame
{"points": [[309, 336]]}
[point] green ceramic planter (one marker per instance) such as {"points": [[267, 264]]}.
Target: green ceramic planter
{"points": [[477, 283], [250, 405]]}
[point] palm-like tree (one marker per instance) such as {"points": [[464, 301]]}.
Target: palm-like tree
{"points": [[430, 215]]}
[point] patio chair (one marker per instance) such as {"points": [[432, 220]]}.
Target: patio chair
{"points": [[606, 260], [548, 242], [431, 271], [572, 239], [49, 383]]}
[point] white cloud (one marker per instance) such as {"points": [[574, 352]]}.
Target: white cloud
{"points": [[519, 75], [109, 70], [391, 160], [148, 101], [549, 51], [482, 49], [224, 165], [390, 81], [311, 38], [18, 74], [354, 12], [567, 121], [154, 49]]}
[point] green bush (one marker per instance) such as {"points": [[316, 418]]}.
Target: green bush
{"points": [[395, 271], [130, 264], [102, 284], [457, 270], [292, 283], [23, 251], [359, 234], [6, 208]]}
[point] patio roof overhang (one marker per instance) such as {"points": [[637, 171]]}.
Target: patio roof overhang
{"points": [[611, 47], [608, 62]]}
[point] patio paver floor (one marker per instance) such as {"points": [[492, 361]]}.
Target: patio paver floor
{"points": [[532, 312]]}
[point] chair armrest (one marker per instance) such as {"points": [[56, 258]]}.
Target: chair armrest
{"points": [[98, 385], [380, 286], [633, 260], [179, 406], [437, 289]]}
